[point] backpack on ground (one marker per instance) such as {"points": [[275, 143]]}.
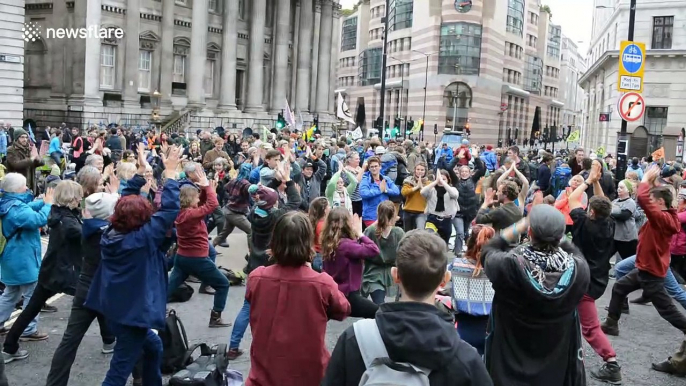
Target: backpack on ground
{"points": [[381, 370], [207, 370], [174, 344], [181, 295], [235, 278]]}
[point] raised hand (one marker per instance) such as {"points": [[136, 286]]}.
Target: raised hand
{"points": [[202, 177], [146, 188], [357, 225], [48, 198], [488, 197], [213, 184], [651, 174], [171, 162], [383, 186], [112, 185]]}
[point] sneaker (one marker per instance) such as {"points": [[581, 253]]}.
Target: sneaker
{"points": [[108, 348], [610, 326], [234, 353], [610, 372], [35, 337], [640, 301], [17, 356], [48, 308], [224, 244], [207, 290]]}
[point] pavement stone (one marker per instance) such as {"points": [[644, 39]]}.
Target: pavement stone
{"points": [[644, 337]]}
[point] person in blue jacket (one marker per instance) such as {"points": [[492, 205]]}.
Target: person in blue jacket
{"points": [[130, 286], [3, 142], [489, 158], [55, 149], [21, 218], [374, 188]]}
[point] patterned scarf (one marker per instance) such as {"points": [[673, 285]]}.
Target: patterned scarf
{"points": [[546, 262]]}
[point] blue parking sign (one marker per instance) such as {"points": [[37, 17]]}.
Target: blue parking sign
{"points": [[632, 58]]}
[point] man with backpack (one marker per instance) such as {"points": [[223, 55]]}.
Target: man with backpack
{"points": [[412, 333]]}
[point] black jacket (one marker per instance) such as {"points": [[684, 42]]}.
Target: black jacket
{"points": [[414, 333], [540, 329], [61, 264], [468, 200], [90, 244]]}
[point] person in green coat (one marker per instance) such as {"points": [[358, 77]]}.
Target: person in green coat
{"points": [[377, 279], [337, 193]]}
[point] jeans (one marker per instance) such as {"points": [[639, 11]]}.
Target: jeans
{"points": [[378, 297], [671, 286], [461, 225], [57, 157], [131, 343], [413, 221], [443, 226], [28, 314], [317, 262], [361, 307], [232, 220], [653, 290], [240, 325], [204, 269], [590, 328], [80, 320], [9, 299], [472, 329]]}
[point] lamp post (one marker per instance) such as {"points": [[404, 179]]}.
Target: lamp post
{"points": [[155, 102], [382, 97], [426, 79]]}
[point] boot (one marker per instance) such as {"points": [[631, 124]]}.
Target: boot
{"points": [[216, 320], [610, 372], [610, 326], [207, 290], [234, 353]]}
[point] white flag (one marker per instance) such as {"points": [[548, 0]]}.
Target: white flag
{"points": [[288, 115], [357, 134], [343, 112]]}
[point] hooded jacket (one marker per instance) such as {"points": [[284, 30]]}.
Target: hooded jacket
{"points": [[415, 333], [372, 195], [540, 328], [489, 158], [130, 285], [62, 261], [23, 217], [314, 190]]}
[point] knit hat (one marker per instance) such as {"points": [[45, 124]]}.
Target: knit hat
{"points": [[547, 223], [101, 205], [18, 132], [267, 199], [668, 171], [379, 150], [465, 142], [628, 185]]}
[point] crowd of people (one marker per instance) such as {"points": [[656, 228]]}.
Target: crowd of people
{"points": [[494, 257]]}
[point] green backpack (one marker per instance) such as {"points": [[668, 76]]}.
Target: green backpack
{"points": [[4, 240]]}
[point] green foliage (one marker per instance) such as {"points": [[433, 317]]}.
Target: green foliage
{"points": [[546, 8]]}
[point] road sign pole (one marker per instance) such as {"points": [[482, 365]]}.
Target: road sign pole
{"points": [[622, 159]]}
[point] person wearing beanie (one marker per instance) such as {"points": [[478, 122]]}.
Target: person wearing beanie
{"points": [[22, 158], [463, 154], [98, 209], [262, 217], [553, 276]]}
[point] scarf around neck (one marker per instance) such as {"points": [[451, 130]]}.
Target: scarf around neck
{"points": [[546, 262]]}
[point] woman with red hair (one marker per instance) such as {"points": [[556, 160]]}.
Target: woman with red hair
{"points": [[130, 286], [472, 291]]}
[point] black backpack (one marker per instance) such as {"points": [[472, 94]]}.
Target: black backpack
{"points": [[174, 344], [181, 295], [207, 370]]}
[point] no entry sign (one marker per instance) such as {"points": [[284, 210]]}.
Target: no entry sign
{"points": [[631, 106]]}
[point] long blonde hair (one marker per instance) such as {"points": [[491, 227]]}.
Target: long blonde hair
{"points": [[337, 227]]}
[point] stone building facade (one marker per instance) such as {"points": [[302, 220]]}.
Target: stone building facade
{"points": [[11, 62], [493, 65], [232, 63]]}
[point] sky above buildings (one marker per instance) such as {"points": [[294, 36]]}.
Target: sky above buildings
{"points": [[575, 17]]}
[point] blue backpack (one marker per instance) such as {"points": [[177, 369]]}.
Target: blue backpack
{"points": [[560, 180]]}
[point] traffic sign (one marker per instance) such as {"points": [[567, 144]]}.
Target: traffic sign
{"points": [[632, 59], [631, 106]]}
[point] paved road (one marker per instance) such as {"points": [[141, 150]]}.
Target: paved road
{"points": [[645, 337]]}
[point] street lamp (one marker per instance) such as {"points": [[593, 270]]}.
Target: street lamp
{"points": [[155, 102], [426, 79]]}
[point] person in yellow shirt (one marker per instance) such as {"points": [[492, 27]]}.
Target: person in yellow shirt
{"points": [[415, 204]]}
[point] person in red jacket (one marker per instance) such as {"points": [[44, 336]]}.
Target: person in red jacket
{"points": [[652, 257], [463, 154], [192, 254], [290, 304]]}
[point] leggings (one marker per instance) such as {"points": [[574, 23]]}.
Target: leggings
{"points": [[361, 307]]}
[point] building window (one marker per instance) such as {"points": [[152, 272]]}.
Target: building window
{"points": [[662, 32], [179, 69], [655, 119], [108, 54], [349, 34], [554, 37], [241, 9], [460, 49], [531, 40], [369, 67], [400, 14], [515, 17], [144, 70], [209, 77], [212, 6], [533, 76], [533, 18]]}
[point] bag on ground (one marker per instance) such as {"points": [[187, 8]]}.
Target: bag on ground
{"points": [[182, 294], [235, 278], [174, 344], [209, 369]]}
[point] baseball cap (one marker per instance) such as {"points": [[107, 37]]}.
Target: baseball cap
{"points": [[379, 150]]}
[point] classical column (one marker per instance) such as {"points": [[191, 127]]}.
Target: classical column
{"points": [[324, 67], [283, 29], [256, 57], [227, 96], [86, 63], [335, 49], [58, 47], [304, 56], [294, 56], [167, 58], [131, 55], [315, 53], [196, 78]]}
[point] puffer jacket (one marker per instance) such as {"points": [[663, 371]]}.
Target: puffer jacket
{"points": [[468, 200], [21, 219], [62, 262]]}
